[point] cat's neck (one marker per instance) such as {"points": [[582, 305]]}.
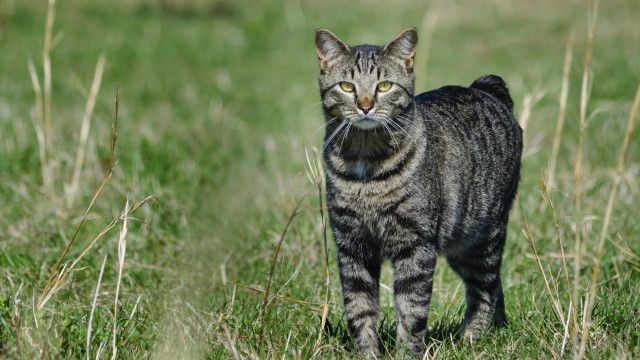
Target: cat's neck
{"points": [[362, 154], [370, 145]]}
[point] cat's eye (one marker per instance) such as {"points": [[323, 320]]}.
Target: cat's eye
{"points": [[384, 86], [347, 86]]}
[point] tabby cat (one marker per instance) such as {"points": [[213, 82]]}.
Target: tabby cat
{"points": [[413, 177]]}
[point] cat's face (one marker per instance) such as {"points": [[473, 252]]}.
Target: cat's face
{"points": [[366, 85]]}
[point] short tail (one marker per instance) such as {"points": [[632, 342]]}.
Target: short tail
{"points": [[494, 85]]}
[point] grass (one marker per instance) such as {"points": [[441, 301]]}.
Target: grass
{"points": [[218, 116]]}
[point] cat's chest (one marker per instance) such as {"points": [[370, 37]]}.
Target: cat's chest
{"points": [[360, 170], [372, 210], [369, 202]]}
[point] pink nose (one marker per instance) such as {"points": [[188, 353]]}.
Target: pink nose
{"points": [[365, 108]]}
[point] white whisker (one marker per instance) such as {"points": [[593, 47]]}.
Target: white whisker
{"points": [[335, 132], [344, 136], [327, 123]]}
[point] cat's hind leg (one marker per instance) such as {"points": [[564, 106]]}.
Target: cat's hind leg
{"points": [[479, 268]]}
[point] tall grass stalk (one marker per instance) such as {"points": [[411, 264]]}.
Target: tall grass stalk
{"points": [[585, 92], [622, 159], [572, 314], [46, 68], [54, 279], [122, 249], [315, 174], [530, 99], [38, 125], [276, 255], [84, 130], [562, 109], [555, 299], [58, 275], [93, 307]]}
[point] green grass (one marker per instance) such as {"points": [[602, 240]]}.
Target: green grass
{"points": [[217, 106]]}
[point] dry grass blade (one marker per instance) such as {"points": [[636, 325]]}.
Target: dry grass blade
{"points": [[274, 261], [38, 125], [622, 159], [565, 336], [626, 251], [93, 306], [318, 181], [577, 172], [556, 223], [46, 63], [47, 291], [283, 298], [84, 130], [565, 270], [114, 132], [554, 298], [58, 281], [122, 249], [530, 99], [230, 342], [562, 109]]}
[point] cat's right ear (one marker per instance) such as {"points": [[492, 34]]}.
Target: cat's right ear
{"points": [[329, 48], [404, 47]]}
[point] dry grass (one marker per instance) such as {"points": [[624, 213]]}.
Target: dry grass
{"points": [[585, 91], [562, 110], [72, 190], [604, 232], [93, 308], [122, 249], [44, 125]]}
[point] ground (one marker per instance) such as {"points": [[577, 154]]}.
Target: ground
{"points": [[218, 107]]}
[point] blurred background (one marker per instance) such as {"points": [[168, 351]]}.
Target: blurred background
{"points": [[218, 111]]}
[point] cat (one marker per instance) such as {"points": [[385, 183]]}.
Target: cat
{"points": [[409, 178]]}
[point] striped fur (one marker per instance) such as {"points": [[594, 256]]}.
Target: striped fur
{"points": [[416, 177]]}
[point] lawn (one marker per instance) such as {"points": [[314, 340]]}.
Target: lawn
{"points": [[207, 224]]}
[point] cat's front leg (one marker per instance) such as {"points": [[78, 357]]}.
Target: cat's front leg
{"points": [[413, 266], [359, 261]]}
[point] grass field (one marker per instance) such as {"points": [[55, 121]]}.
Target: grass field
{"points": [[218, 106]]}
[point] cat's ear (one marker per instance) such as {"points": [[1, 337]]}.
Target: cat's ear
{"points": [[329, 47], [404, 47]]}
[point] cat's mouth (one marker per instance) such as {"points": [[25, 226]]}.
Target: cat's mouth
{"points": [[366, 123]]}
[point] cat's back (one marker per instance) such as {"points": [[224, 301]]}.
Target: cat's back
{"points": [[475, 142], [479, 116]]}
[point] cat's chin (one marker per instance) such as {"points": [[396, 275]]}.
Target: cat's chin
{"points": [[366, 124]]}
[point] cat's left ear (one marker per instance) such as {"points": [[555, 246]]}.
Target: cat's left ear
{"points": [[404, 47]]}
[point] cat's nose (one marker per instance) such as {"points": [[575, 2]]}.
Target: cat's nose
{"points": [[365, 104]]}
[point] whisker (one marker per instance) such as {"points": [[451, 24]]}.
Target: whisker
{"points": [[403, 119], [397, 126], [327, 123], [340, 127], [344, 136], [388, 130]]}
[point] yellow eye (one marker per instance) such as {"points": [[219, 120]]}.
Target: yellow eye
{"points": [[347, 86], [384, 86]]}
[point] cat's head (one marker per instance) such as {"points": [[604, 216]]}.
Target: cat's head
{"points": [[366, 85]]}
